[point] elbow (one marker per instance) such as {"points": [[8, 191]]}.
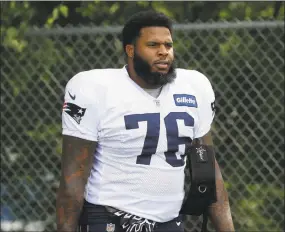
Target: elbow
{"points": [[67, 192]]}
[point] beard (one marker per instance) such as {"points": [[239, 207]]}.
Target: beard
{"points": [[154, 79]]}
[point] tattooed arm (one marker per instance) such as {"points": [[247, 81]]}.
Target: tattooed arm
{"points": [[220, 212], [77, 157]]}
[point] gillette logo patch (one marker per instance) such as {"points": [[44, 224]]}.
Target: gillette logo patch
{"points": [[185, 100]]}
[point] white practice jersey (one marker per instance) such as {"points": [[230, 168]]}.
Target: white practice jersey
{"points": [[139, 162]]}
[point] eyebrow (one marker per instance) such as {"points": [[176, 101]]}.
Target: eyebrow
{"points": [[167, 43]]}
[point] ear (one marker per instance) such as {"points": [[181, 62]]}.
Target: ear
{"points": [[130, 50]]}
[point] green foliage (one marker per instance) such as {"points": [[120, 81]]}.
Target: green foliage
{"points": [[12, 33], [253, 211], [57, 11]]}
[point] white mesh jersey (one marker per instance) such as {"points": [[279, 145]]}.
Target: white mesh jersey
{"points": [[139, 163]]}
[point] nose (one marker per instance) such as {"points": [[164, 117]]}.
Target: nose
{"points": [[162, 50]]}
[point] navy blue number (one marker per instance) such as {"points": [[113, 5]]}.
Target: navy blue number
{"points": [[173, 140], [152, 134]]}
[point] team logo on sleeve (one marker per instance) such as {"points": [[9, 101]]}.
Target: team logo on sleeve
{"points": [[75, 111], [185, 100]]}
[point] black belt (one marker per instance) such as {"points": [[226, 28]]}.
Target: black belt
{"points": [[132, 223]]}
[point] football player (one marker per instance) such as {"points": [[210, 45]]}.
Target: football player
{"points": [[124, 137]]}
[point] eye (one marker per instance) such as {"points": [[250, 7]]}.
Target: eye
{"points": [[152, 44], [169, 45]]}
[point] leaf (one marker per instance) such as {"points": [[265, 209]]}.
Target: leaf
{"points": [[143, 3], [12, 32], [268, 12], [248, 12], [55, 13], [114, 8], [49, 22], [224, 14], [63, 10], [13, 41]]}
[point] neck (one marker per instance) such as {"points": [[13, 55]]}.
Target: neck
{"points": [[137, 79]]}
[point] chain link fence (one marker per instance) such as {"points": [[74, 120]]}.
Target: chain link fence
{"points": [[243, 60]]}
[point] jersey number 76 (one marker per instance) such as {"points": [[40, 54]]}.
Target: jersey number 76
{"points": [[152, 135]]}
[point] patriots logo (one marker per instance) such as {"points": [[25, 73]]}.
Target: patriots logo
{"points": [[75, 111]]}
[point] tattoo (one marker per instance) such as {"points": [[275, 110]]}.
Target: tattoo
{"points": [[83, 155], [220, 213], [82, 166], [77, 159]]}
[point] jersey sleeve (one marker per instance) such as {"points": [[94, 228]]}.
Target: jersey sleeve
{"points": [[206, 108], [80, 114]]}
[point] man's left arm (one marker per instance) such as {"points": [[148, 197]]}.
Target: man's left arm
{"points": [[219, 212]]}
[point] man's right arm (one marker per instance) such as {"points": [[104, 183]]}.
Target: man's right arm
{"points": [[77, 160]]}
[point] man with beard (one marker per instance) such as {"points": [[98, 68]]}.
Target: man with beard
{"points": [[124, 137]]}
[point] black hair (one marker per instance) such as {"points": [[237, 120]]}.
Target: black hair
{"points": [[135, 23]]}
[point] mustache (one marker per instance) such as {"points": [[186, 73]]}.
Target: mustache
{"points": [[156, 79]]}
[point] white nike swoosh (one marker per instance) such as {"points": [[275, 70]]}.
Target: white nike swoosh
{"points": [[178, 223]]}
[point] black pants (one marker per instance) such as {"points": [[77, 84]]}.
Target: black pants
{"points": [[95, 218]]}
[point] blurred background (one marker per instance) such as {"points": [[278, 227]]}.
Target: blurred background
{"points": [[238, 45]]}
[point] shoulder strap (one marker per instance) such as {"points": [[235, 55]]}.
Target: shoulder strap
{"points": [[202, 193]]}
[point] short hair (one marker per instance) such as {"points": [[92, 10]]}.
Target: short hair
{"points": [[135, 23]]}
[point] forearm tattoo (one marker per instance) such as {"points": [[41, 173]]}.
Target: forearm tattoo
{"points": [[76, 165]]}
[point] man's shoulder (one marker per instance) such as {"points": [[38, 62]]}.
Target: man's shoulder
{"points": [[96, 76], [194, 81], [192, 76]]}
